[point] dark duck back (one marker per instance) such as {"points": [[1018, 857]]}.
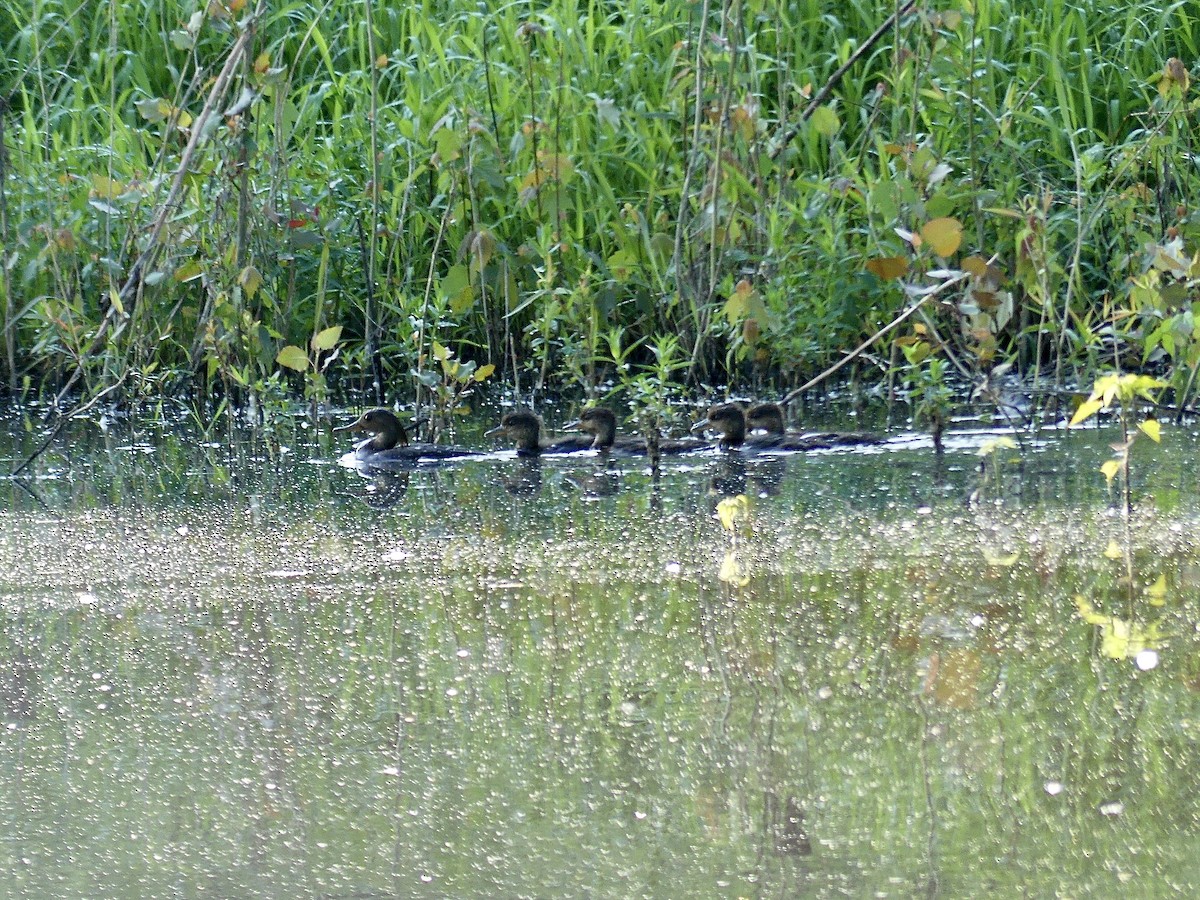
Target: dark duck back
{"points": [[524, 429], [767, 418], [388, 441]]}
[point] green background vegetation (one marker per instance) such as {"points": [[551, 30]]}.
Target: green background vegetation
{"points": [[572, 192]]}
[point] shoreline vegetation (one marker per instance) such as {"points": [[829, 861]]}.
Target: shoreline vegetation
{"points": [[245, 202]]}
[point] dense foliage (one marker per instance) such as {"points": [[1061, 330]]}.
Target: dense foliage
{"points": [[238, 197]]}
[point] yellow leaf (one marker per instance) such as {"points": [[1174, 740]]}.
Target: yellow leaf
{"points": [[731, 571], [484, 372], [1157, 592], [114, 297], [731, 509], [944, 235], [250, 279], [1000, 443], [887, 267], [1000, 562], [1088, 612], [106, 188], [1087, 409], [327, 338], [262, 63], [555, 166], [954, 677], [189, 271], [1152, 430], [293, 357], [976, 265], [381, 61], [1113, 550], [1110, 469], [440, 353]]}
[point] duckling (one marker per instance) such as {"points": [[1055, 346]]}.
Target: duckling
{"points": [[388, 441], [600, 422], [768, 417], [731, 421], [524, 428]]}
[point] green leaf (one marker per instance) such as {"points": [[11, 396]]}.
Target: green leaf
{"points": [[293, 357], [484, 372], [826, 121], [456, 288], [189, 271], [327, 338]]}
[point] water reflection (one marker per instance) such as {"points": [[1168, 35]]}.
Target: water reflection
{"points": [[246, 671]]}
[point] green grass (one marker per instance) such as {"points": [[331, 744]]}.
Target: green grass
{"points": [[517, 184]]}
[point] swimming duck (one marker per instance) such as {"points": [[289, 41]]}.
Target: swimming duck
{"points": [[600, 422], [389, 442], [732, 422], [524, 429], [768, 418], [729, 420]]}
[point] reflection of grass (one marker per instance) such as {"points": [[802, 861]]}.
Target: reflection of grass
{"points": [[304, 706]]}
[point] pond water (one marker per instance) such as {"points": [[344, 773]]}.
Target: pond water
{"points": [[230, 667]]}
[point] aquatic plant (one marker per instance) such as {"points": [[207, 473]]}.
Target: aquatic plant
{"points": [[185, 193]]}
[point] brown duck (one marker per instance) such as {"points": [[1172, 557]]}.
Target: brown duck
{"points": [[388, 441], [600, 422], [734, 425], [768, 418], [524, 429]]}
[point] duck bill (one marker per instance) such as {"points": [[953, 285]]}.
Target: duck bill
{"points": [[494, 432], [571, 426], [701, 426], [354, 426]]}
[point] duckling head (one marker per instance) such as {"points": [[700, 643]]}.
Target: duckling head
{"points": [[729, 420], [522, 427], [766, 417], [385, 429], [600, 423]]}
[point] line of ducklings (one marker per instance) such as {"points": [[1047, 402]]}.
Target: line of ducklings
{"points": [[761, 427]]}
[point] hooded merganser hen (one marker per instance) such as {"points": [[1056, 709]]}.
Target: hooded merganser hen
{"points": [[731, 421], [768, 418], [601, 423], [524, 429], [389, 442]]}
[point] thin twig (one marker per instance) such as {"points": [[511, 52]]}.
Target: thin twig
{"points": [[64, 419], [858, 351], [823, 94], [153, 242]]}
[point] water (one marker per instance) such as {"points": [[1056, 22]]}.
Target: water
{"points": [[241, 670]]}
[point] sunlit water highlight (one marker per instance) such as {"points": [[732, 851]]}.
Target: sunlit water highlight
{"points": [[242, 670]]}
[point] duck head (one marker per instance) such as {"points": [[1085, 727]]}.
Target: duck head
{"points": [[385, 429], [729, 420], [522, 427], [766, 417], [600, 423]]}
